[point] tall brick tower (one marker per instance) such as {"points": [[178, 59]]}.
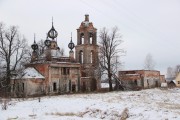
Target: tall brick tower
{"points": [[87, 54]]}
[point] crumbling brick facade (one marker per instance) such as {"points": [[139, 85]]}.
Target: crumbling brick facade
{"points": [[141, 78], [59, 77], [66, 74]]}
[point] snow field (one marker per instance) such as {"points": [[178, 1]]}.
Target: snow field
{"points": [[150, 104]]}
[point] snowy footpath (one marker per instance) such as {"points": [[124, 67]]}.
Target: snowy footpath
{"points": [[150, 104]]}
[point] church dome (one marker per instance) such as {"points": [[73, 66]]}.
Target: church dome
{"points": [[52, 32], [71, 44], [47, 42], [34, 46]]}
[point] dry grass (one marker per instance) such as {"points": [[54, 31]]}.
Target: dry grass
{"points": [[15, 118], [169, 105], [94, 113], [63, 114]]}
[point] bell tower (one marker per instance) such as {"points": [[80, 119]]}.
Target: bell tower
{"points": [[87, 48], [87, 53]]}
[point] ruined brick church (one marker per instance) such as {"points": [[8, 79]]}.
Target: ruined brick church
{"points": [[50, 72]]}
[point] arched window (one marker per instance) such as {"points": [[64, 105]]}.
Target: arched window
{"points": [[90, 38], [91, 56], [81, 57], [135, 82], [54, 86], [82, 38], [70, 85], [73, 87]]}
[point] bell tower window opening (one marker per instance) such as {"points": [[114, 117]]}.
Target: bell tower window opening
{"points": [[91, 56], [82, 38], [81, 56], [90, 38]]}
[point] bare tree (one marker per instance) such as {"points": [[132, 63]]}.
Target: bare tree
{"points": [[109, 50], [176, 70], [41, 47], [170, 72], [62, 51], [149, 63], [13, 50], [173, 71]]}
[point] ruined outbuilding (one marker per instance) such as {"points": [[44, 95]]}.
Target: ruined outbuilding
{"points": [[141, 78]]}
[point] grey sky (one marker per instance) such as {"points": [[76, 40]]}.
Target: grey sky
{"points": [[147, 26]]}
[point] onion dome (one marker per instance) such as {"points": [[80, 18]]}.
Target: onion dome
{"points": [[47, 42], [34, 46], [71, 44], [52, 32]]}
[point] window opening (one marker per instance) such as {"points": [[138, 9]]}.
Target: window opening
{"points": [[82, 38], [81, 57], [135, 82], [23, 86], [54, 87], [90, 38], [91, 57], [73, 88]]}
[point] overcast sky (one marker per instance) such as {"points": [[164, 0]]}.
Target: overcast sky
{"points": [[146, 26]]}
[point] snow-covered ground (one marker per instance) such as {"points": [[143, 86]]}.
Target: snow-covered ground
{"points": [[151, 104]]}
